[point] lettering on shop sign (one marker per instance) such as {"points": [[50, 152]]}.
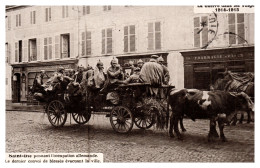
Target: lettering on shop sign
{"points": [[219, 56]]}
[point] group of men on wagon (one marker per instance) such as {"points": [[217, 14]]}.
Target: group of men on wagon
{"points": [[96, 80]]}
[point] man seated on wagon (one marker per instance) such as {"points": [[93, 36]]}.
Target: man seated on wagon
{"points": [[115, 75], [166, 74], [134, 78]]}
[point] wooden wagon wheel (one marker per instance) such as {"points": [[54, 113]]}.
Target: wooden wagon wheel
{"points": [[57, 115], [82, 117], [121, 119], [144, 120]]}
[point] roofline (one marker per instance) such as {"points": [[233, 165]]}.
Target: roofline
{"points": [[15, 7]]}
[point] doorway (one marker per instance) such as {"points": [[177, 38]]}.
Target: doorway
{"points": [[16, 88]]}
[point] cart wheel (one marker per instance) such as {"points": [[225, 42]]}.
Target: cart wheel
{"points": [[144, 121], [56, 113], [82, 117], [121, 119]]}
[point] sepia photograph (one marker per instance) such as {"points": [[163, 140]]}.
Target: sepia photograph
{"points": [[129, 84]]}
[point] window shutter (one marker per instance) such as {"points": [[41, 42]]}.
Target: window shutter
{"points": [[9, 53], [25, 51], [196, 22], [231, 18], [84, 10], [196, 37], [9, 22], [38, 56], [31, 17], [232, 37], [19, 19], [126, 39], [46, 15], [88, 43], [88, 9], [83, 44], [16, 51], [157, 35], [150, 36], [241, 33], [16, 20], [49, 14], [204, 36], [132, 38], [109, 7], [50, 48], [71, 46], [45, 48], [63, 11], [109, 41], [67, 11], [57, 47], [103, 41], [34, 17]]}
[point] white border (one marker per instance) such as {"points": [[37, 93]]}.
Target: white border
{"points": [[124, 2]]}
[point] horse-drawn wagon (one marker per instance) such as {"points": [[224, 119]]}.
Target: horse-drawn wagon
{"points": [[125, 105]]}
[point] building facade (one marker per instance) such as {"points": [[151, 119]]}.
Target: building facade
{"points": [[195, 47]]}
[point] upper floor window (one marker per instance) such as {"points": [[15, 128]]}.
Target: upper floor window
{"points": [[200, 31], [33, 17], [107, 8], [65, 11], [86, 10], [65, 45], [129, 38], [32, 50], [107, 41], [47, 14], [18, 20], [236, 27], [154, 36], [86, 43]]}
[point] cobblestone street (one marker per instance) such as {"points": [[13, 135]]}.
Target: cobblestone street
{"points": [[29, 132]]}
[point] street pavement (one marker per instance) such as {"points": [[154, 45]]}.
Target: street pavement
{"points": [[31, 132]]}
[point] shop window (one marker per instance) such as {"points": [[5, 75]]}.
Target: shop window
{"points": [[154, 36], [65, 46], [86, 43], [18, 20], [129, 38], [236, 28], [107, 41], [32, 50], [86, 10], [47, 48], [33, 17], [65, 11], [47, 14], [200, 31]]}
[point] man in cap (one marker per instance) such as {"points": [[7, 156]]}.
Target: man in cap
{"points": [[160, 60], [99, 75], [140, 64], [134, 78], [114, 74]]}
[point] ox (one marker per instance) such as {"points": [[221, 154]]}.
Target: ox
{"points": [[217, 106]]}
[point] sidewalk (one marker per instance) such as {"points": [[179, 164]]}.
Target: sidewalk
{"points": [[23, 107]]}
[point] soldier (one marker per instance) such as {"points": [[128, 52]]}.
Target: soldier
{"points": [[140, 63], [133, 78], [160, 60], [114, 75]]}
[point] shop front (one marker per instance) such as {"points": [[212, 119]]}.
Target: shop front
{"points": [[201, 68], [23, 75]]}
